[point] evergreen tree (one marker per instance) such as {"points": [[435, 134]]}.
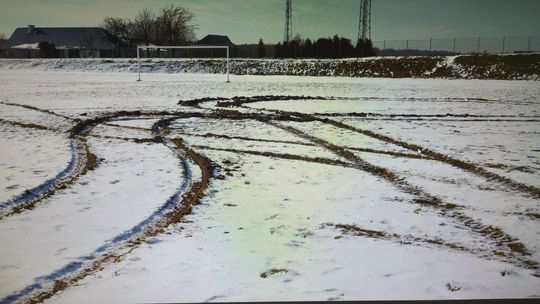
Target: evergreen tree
{"points": [[307, 49], [279, 50], [261, 49], [364, 48]]}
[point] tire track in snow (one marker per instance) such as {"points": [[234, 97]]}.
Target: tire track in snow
{"points": [[173, 211], [31, 197], [240, 101], [122, 244], [37, 109], [510, 247], [408, 239], [82, 160], [376, 151]]}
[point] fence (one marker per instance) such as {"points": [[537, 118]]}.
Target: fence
{"points": [[464, 45]]}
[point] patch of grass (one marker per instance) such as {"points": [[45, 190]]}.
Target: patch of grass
{"points": [[533, 215], [452, 288], [450, 206], [354, 230], [273, 271], [514, 66], [91, 158], [59, 285], [519, 248]]}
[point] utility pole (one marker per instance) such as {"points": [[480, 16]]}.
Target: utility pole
{"points": [[364, 23], [288, 20]]}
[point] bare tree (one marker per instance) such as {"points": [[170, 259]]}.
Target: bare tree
{"points": [[144, 26], [174, 26], [90, 44], [119, 28], [2, 39], [144, 31]]}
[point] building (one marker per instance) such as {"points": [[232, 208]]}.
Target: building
{"points": [[218, 40], [66, 42]]}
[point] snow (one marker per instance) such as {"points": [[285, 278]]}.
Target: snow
{"points": [[267, 230], [25, 166], [513, 144], [132, 182], [33, 46], [234, 245], [245, 128]]}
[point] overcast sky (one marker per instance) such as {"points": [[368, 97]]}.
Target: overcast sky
{"points": [[245, 21]]}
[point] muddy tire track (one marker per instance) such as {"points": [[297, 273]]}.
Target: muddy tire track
{"points": [[375, 151], [195, 192], [286, 156], [508, 248], [82, 160], [411, 240], [38, 109], [455, 162], [26, 125], [511, 246], [498, 238]]}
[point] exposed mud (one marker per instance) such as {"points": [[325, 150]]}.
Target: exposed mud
{"points": [[423, 198], [464, 165], [320, 160], [26, 125], [511, 258], [37, 109]]}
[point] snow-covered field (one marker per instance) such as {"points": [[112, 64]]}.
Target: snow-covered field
{"points": [[362, 189]]}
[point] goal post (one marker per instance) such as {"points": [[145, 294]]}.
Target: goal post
{"points": [[146, 47]]}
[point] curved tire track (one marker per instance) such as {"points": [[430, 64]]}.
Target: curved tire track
{"points": [[470, 167], [178, 206]]}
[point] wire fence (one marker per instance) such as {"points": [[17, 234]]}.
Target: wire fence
{"points": [[464, 45]]}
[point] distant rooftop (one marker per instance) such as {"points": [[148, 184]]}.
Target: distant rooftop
{"points": [[62, 37], [218, 40]]}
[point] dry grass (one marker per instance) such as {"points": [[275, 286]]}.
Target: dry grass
{"points": [[273, 271]]}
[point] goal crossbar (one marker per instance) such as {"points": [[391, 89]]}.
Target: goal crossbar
{"points": [[144, 47]]}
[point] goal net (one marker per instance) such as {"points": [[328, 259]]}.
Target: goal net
{"points": [[158, 49]]}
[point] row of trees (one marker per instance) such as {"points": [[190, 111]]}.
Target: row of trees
{"points": [[335, 47], [173, 25]]}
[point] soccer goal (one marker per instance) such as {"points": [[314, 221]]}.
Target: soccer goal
{"points": [[157, 47]]}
